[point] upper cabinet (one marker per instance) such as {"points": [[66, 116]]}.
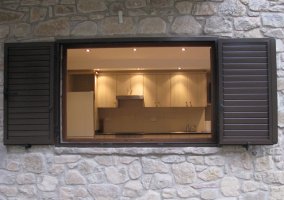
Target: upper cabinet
{"points": [[157, 89], [189, 89], [106, 94], [160, 89], [180, 96], [129, 84], [198, 89]]}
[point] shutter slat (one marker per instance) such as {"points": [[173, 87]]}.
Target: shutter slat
{"points": [[245, 77], [28, 127], [31, 63], [246, 109], [28, 115], [29, 133], [23, 104], [248, 134], [28, 81], [28, 69], [29, 87], [246, 120], [246, 60], [23, 52], [29, 75], [244, 47], [244, 66], [245, 96], [29, 57], [36, 109], [28, 121], [246, 126], [28, 98], [234, 103], [245, 53], [245, 114], [247, 90], [245, 72], [245, 84]]}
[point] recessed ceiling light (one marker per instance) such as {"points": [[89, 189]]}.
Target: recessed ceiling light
{"points": [[134, 49], [183, 49], [179, 68], [88, 50]]}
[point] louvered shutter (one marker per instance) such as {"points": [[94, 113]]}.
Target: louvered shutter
{"points": [[247, 91], [28, 93]]}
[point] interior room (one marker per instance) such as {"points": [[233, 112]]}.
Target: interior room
{"points": [[150, 93]]}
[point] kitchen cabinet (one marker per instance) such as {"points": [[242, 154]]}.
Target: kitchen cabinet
{"points": [[188, 89], [80, 114], [157, 90], [198, 89], [129, 84], [180, 90], [106, 94]]}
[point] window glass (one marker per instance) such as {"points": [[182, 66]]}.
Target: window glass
{"points": [[138, 94]]}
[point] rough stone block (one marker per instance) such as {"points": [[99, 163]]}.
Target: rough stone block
{"points": [[4, 31], [48, 184], [38, 14], [135, 4], [230, 186], [87, 28], [26, 178], [73, 177], [275, 20], [151, 166], [116, 175], [186, 191], [135, 170], [133, 189], [34, 162], [87, 6], [184, 7], [53, 27], [63, 10], [111, 26], [184, 173], [211, 174], [186, 25], [104, 191], [153, 25]]}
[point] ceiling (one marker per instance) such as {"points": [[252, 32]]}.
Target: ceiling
{"points": [[142, 58]]}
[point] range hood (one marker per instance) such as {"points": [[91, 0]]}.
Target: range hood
{"points": [[129, 97]]}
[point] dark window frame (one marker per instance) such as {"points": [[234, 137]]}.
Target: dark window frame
{"points": [[63, 45]]}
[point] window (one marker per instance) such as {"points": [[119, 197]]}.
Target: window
{"points": [[138, 93], [171, 91]]}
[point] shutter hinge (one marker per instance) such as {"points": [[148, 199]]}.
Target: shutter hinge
{"points": [[27, 146], [246, 146]]}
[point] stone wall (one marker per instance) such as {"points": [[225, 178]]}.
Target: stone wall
{"points": [[227, 173]]}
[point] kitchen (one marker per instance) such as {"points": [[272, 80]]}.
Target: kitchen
{"points": [[138, 93]]}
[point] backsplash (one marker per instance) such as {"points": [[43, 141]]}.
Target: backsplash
{"points": [[132, 116]]}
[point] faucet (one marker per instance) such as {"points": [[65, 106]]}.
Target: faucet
{"points": [[187, 128]]}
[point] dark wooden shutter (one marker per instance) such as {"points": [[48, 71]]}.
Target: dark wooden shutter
{"points": [[247, 88], [28, 93]]}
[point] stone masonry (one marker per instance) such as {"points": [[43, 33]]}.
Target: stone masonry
{"points": [[225, 173]]}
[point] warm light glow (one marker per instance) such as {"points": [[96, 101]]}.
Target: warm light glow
{"points": [[183, 49], [134, 49], [179, 68], [88, 50]]}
